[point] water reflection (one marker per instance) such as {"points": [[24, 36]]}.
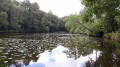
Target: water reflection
{"points": [[20, 50], [57, 58], [110, 56], [58, 50]]}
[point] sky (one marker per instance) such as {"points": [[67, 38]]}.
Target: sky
{"points": [[60, 8]]}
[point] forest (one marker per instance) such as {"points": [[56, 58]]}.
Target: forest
{"points": [[99, 18], [27, 17]]}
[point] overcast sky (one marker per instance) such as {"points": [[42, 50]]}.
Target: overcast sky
{"points": [[60, 7]]}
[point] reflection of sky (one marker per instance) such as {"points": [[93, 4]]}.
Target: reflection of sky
{"points": [[56, 58]]}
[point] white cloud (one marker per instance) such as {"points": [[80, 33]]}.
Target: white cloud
{"points": [[60, 7]]}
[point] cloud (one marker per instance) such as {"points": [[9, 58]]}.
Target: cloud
{"points": [[60, 7]]}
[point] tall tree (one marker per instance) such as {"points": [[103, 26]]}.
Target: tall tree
{"points": [[104, 8]]}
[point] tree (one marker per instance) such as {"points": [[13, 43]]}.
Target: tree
{"points": [[26, 17], [104, 8], [3, 21]]}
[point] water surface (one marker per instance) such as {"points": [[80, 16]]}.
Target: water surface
{"points": [[57, 50]]}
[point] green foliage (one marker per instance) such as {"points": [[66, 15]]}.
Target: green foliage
{"points": [[87, 17], [117, 35], [104, 8], [3, 20], [98, 17], [117, 18], [97, 29], [1, 62], [113, 35], [72, 23], [27, 17], [77, 24]]}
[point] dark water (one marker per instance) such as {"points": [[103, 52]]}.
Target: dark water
{"points": [[57, 50]]}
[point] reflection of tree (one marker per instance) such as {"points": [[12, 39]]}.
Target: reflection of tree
{"points": [[108, 58], [26, 48], [1, 62], [81, 46]]}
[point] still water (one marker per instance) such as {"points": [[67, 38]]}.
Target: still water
{"points": [[57, 50]]}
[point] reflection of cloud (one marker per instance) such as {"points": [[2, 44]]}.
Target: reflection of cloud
{"points": [[58, 50], [64, 63], [81, 61], [52, 60], [56, 58], [36, 65]]}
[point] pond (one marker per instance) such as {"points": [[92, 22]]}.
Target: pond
{"points": [[57, 50]]}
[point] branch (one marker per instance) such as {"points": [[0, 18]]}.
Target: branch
{"points": [[85, 27]]}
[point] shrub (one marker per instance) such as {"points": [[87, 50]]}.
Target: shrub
{"points": [[117, 35], [97, 30]]}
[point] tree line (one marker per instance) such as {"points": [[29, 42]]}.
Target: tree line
{"points": [[102, 17], [25, 16], [99, 18]]}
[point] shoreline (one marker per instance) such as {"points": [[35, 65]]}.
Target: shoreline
{"points": [[111, 38], [104, 37]]}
